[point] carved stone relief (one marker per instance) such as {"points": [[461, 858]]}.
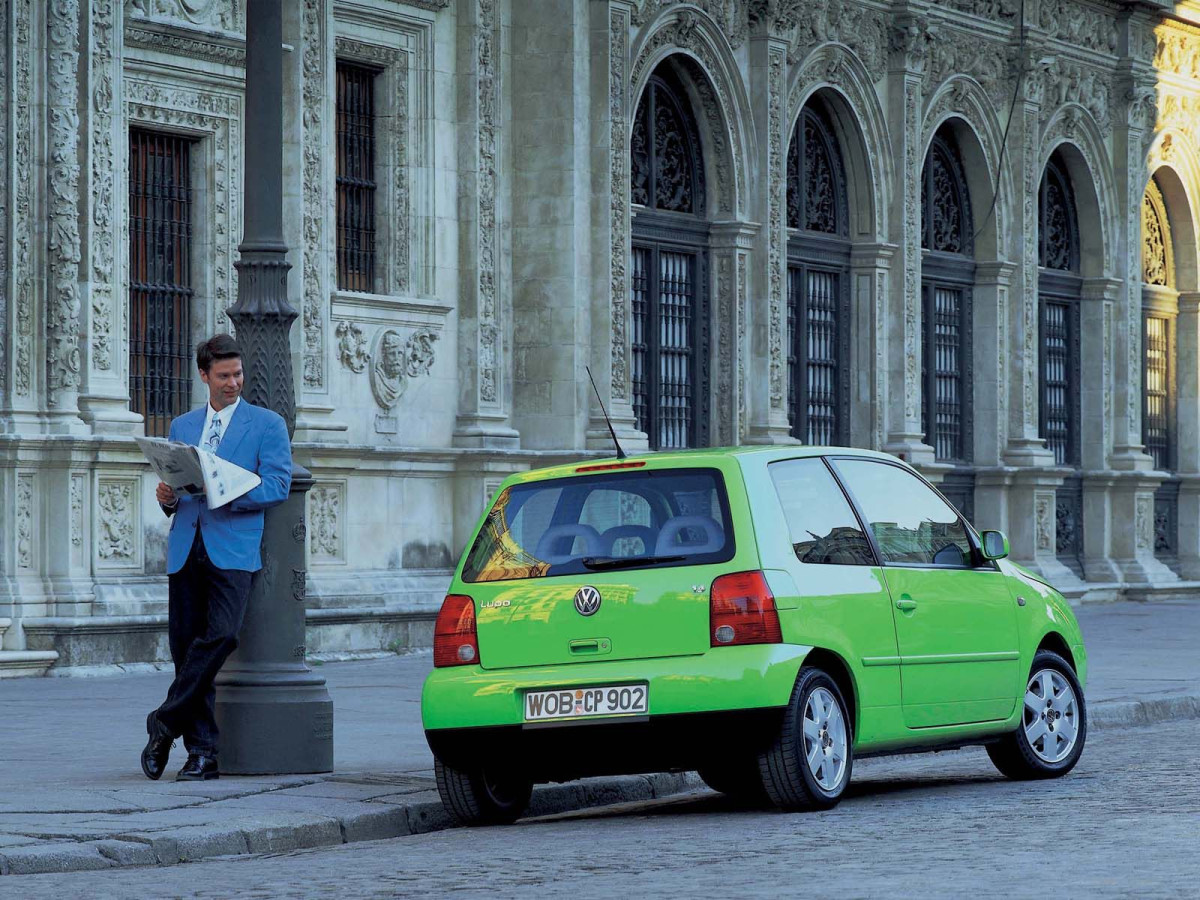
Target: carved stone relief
{"points": [[115, 540], [24, 226], [618, 204], [352, 346], [1079, 26], [63, 242], [1029, 275], [880, 355], [743, 303], [726, 411], [216, 116], [1071, 82], [776, 201], [912, 256], [315, 209], [5, 101], [1180, 112], [208, 46], [325, 522], [1106, 374], [864, 30], [103, 165], [729, 15], [25, 520], [1045, 524], [1157, 251], [953, 52], [488, 99], [396, 361], [77, 509], [1144, 523], [227, 15], [1177, 52]]}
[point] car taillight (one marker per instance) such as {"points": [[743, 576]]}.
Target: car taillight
{"points": [[742, 611], [455, 642]]}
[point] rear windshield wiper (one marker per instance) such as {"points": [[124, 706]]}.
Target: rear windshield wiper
{"points": [[626, 562]]}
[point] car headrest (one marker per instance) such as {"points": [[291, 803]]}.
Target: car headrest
{"points": [[673, 540], [551, 545], [642, 533]]}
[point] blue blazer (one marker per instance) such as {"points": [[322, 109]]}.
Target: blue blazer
{"points": [[255, 439]]}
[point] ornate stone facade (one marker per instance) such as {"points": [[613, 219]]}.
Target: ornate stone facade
{"points": [[503, 264]]}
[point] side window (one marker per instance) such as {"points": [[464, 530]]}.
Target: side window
{"points": [[821, 525], [911, 523]]}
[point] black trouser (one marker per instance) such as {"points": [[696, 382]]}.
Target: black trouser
{"points": [[207, 605]]}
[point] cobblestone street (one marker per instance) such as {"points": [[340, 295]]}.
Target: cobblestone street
{"points": [[1125, 823]]}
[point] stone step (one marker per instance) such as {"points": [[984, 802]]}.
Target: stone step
{"points": [[25, 663]]}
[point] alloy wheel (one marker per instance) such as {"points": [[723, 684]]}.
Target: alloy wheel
{"points": [[1051, 716], [825, 739]]}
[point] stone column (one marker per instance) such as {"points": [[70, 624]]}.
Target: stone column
{"points": [[870, 271], [104, 401], [484, 311], [909, 46], [732, 244], [768, 385], [1100, 296], [1187, 431]]}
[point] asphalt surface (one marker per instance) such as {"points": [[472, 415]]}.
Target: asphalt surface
{"points": [[1124, 824]]}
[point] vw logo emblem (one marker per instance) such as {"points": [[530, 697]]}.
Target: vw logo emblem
{"points": [[587, 600]]}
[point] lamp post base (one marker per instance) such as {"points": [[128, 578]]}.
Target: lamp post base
{"points": [[275, 722]]}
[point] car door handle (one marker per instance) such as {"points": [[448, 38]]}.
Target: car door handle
{"points": [[906, 603]]}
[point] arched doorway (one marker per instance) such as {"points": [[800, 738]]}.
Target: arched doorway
{"points": [[1060, 291], [669, 268], [818, 287], [947, 283], [1160, 310]]}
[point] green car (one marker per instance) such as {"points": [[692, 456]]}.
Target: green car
{"points": [[760, 615]]}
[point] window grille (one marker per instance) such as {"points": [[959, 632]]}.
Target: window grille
{"points": [[355, 106], [1156, 428], [818, 302], [1057, 387], [160, 280], [669, 331]]}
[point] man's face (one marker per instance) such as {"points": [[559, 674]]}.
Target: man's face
{"points": [[393, 355], [224, 379]]}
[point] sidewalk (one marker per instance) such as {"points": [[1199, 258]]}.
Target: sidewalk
{"points": [[72, 795]]}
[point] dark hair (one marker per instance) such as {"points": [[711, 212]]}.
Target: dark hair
{"points": [[219, 346]]}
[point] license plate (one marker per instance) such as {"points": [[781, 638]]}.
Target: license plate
{"points": [[598, 700]]}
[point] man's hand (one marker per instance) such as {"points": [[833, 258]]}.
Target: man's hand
{"points": [[165, 495]]}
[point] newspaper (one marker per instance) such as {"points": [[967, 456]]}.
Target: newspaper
{"points": [[194, 470]]}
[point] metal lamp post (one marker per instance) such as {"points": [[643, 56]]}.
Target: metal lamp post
{"points": [[274, 712]]}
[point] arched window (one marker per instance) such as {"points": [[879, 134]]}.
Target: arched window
{"points": [[668, 271], [1160, 308], [1060, 288], [947, 280], [818, 310]]}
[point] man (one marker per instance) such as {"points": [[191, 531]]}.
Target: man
{"points": [[211, 555]]}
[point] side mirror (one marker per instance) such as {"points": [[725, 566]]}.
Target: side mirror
{"points": [[995, 545]]}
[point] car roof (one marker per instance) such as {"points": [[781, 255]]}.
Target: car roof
{"points": [[665, 459]]}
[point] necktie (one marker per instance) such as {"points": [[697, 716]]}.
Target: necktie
{"points": [[214, 434]]}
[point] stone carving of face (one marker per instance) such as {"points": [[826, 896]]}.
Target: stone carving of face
{"points": [[392, 352]]}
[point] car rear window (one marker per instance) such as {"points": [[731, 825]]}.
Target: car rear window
{"points": [[626, 520]]}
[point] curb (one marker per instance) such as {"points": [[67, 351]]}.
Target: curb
{"points": [[275, 834], [268, 831]]}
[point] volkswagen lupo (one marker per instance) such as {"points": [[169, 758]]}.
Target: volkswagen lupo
{"points": [[763, 616]]}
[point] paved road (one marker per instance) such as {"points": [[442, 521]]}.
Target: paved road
{"points": [[1125, 823]]}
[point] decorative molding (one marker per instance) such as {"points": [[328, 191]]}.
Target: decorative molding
{"points": [[104, 162], [911, 181], [226, 15], [352, 346], [316, 211], [863, 30], [743, 305], [216, 116], [325, 504], [1080, 26], [25, 520], [63, 361], [116, 539], [5, 103], [954, 53], [396, 362], [1082, 85], [1029, 274], [488, 100], [221, 49], [730, 16], [1177, 51], [881, 362], [618, 89], [1143, 527], [1044, 522], [1106, 375], [77, 479], [24, 226], [726, 331], [776, 231], [1158, 263]]}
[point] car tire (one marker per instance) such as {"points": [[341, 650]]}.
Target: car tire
{"points": [[809, 764], [739, 778], [473, 797], [1050, 738]]}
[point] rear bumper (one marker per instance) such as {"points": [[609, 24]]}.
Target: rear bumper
{"points": [[701, 706], [608, 747]]}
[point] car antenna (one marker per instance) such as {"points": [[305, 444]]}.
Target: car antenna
{"points": [[620, 452]]}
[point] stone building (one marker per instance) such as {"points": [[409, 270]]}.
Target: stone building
{"points": [[962, 232]]}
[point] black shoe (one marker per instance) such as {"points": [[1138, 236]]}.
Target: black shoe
{"points": [[157, 749], [199, 767]]}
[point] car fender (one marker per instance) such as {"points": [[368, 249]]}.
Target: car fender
{"points": [[1047, 612]]}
